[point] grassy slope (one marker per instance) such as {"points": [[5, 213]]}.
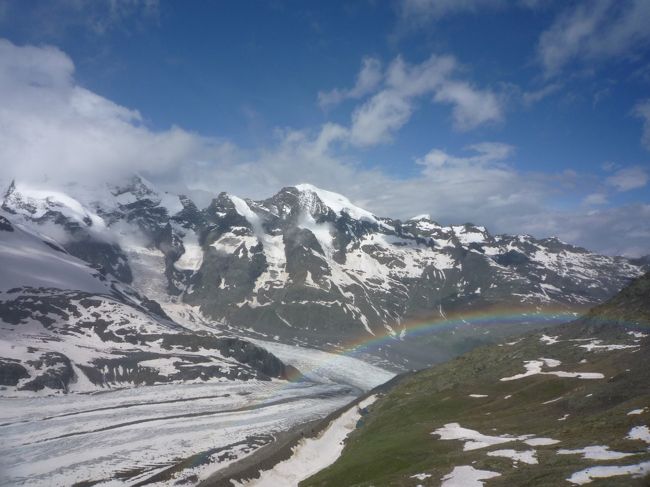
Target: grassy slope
{"points": [[395, 441]]}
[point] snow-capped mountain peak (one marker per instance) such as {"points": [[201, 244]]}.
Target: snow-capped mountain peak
{"points": [[37, 203], [335, 201]]}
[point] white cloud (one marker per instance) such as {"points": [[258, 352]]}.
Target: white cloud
{"points": [[595, 199], [484, 153], [642, 110], [367, 81], [628, 178], [593, 32], [51, 125], [471, 107], [377, 119], [420, 11]]}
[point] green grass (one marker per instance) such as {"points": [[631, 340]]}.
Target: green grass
{"points": [[395, 440]]}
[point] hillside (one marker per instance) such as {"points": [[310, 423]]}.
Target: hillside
{"points": [[568, 407]]}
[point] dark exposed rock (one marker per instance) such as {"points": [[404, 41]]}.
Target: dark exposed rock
{"points": [[11, 372]]}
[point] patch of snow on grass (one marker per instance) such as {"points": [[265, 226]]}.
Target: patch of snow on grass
{"points": [[534, 367], [421, 476], [597, 452], [475, 440], [467, 476], [637, 411], [526, 456], [639, 433], [637, 334], [541, 441], [472, 438], [589, 474], [596, 345], [549, 340]]}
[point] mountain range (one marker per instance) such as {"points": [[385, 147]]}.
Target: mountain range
{"points": [[304, 266]]}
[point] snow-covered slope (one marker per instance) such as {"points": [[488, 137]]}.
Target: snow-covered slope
{"points": [[66, 327]]}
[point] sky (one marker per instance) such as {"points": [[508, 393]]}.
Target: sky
{"points": [[525, 116]]}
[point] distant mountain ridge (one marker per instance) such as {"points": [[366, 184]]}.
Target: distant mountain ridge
{"points": [[307, 264]]}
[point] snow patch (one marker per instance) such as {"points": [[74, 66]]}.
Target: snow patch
{"points": [[639, 433], [467, 476], [587, 475], [534, 367], [526, 456], [312, 455], [597, 452], [637, 411]]}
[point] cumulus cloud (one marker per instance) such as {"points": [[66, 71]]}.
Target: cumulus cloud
{"points": [[51, 125], [593, 32], [484, 153], [376, 120], [632, 177], [367, 81]]}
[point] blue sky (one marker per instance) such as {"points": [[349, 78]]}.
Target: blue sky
{"points": [[525, 116]]}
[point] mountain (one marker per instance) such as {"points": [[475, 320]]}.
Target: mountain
{"points": [[309, 266], [65, 326], [570, 406]]}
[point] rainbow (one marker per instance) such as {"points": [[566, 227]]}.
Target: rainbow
{"points": [[494, 317]]}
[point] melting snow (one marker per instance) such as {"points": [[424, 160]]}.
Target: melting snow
{"points": [[598, 452], [467, 476], [421, 476], [475, 440], [526, 456], [534, 367], [637, 334], [596, 345], [639, 433], [541, 441], [589, 474], [637, 411], [549, 340]]}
